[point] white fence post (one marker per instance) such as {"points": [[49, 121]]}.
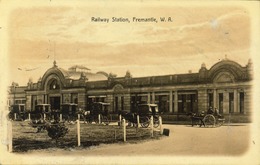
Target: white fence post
{"points": [[124, 130], [29, 116], [78, 132], [120, 118], [151, 126], [10, 136], [160, 125], [44, 116], [15, 117], [60, 117], [99, 119], [138, 121]]}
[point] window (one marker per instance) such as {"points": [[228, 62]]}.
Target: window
{"points": [[74, 98], [210, 99], [122, 103], [220, 102], [231, 102], [54, 85], [241, 103]]}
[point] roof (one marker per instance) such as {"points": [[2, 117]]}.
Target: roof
{"points": [[89, 76], [74, 67], [73, 74], [18, 89]]}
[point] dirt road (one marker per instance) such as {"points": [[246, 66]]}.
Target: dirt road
{"points": [[184, 145]]}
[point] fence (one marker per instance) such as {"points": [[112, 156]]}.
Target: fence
{"points": [[123, 128], [23, 137]]}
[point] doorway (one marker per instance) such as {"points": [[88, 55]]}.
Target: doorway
{"points": [[55, 102]]}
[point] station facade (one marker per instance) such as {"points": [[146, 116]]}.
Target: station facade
{"points": [[226, 86]]}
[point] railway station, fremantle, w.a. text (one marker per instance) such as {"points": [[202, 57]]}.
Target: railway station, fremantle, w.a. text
{"points": [[226, 85]]}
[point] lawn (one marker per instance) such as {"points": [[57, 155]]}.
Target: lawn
{"points": [[25, 137]]}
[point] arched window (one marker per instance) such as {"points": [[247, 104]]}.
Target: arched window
{"points": [[54, 85], [224, 77]]}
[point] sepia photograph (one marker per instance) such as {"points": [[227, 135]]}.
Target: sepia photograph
{"points": [[129, 82]]}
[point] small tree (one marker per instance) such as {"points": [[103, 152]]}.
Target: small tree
{"points": [[56, 130]]}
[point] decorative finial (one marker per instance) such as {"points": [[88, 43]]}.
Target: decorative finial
{"points": [[203, 65], [83, 76], [30, 80], [249, 61], [54, 63]]}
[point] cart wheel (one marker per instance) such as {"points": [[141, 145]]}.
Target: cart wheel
{"points": [[88, 119], [65, 118], [128, 123], [71, 119], [24, 116], [156, 122], [10, 116], [39, 116], [144, 122], [105, 120], [48, 117], [209, 121], [56, 117], [96, 119], [82, 116]]}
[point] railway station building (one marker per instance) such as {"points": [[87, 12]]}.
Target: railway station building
{"points": [[226, 85]]}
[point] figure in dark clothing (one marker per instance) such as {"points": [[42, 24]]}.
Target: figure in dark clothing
{"points": [[210, 111]]}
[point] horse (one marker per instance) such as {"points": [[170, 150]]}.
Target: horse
{"points": [[196, 118], [129, 116]]}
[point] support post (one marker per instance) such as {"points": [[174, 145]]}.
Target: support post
{"points": [[151, 126], [99, 119], [160, 125], [170, 101], [120, 118], [44, 116], [29, 116], [215, 105], [10, 136], [124, 130], [175, 110], [60, 117], [78, 132], [138, 121], [15, 117], [79, 117]]}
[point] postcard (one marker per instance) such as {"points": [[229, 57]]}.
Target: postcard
{"points": [[129, 82]]}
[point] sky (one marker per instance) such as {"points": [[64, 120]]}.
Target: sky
{"points": [[196, 35]]}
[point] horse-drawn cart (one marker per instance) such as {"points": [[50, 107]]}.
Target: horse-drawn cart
{"points": [[17, 112], [69, 112], [41, 111], [211, 119], [145, 112], [98, 113]]}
